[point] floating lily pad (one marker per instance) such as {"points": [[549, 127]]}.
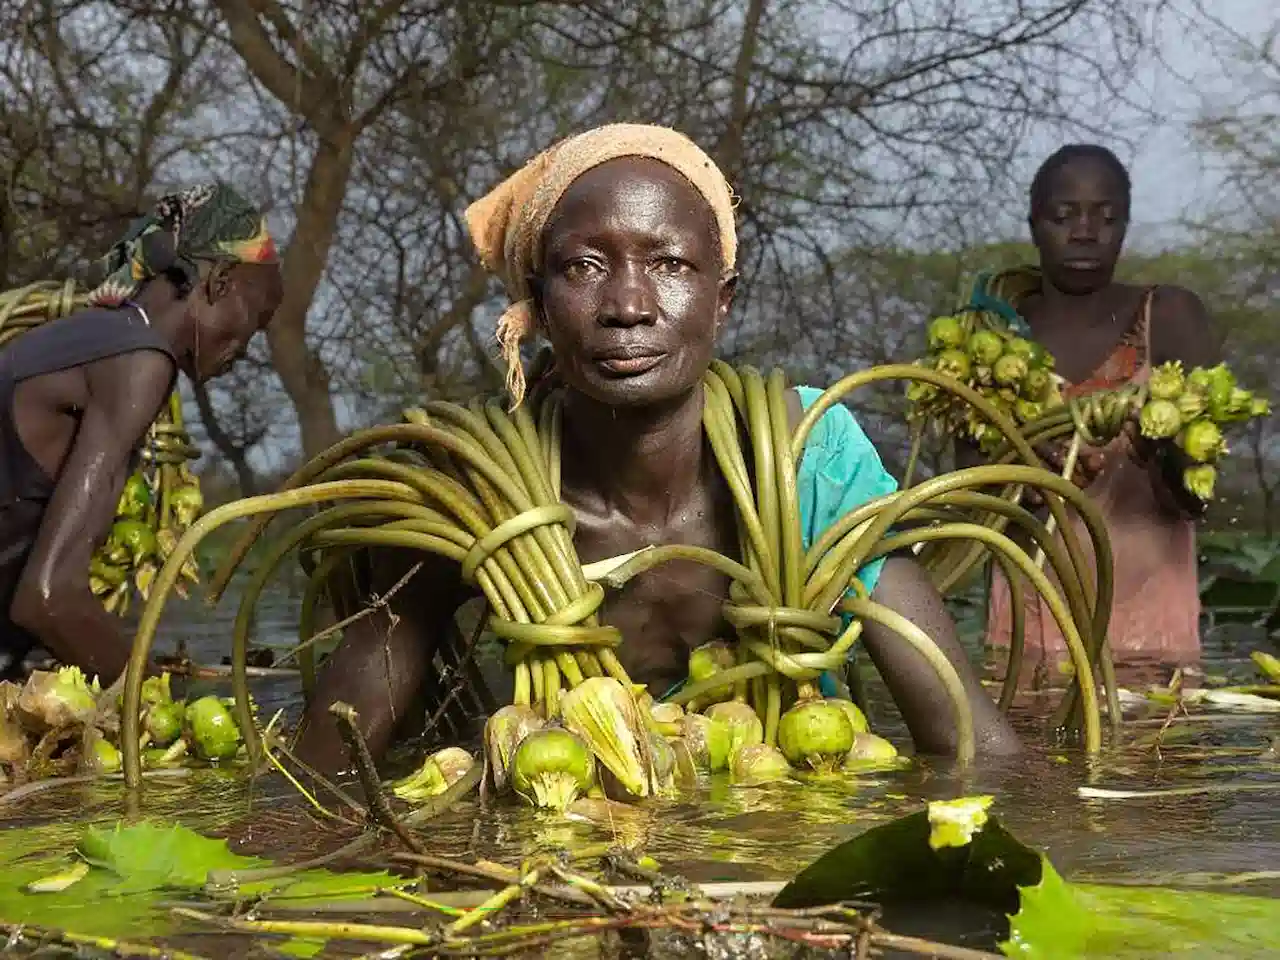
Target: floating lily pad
{"points": [[1048, 917], [134, 867]]}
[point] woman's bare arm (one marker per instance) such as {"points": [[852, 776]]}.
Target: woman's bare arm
{"points": [[383, 659], [920, 696]]}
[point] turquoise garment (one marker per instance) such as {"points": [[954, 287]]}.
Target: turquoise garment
{"points": [[839, 472]]}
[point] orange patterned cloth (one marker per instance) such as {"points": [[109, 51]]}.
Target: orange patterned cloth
{"points": [[1156, 614]]}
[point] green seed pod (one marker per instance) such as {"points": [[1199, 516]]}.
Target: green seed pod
{"points": [[953, 363], [164, 722], [211, 729], [947, 333], [1220, 383], [135, 498], [666, 712], [744, 725], [857, 719], [1191, 404], [1010, 370], [816, 734], [1026, 411], [102, 756], [1024, 348], [664, 765], [502, 734], [1037, 384], [758, 763], [552, 768], [1167, 381], [985, 347], [708, 660], [187, 502], [60, 698], [1202, 441], [686, 771], [136, 538], [868, 748], [709, 740], [1160, 419], [1199, 480]]}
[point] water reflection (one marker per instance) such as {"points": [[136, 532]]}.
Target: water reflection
{"points": [[770, 832]]}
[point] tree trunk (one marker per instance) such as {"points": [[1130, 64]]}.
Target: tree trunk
{"points": [[300, 368]]}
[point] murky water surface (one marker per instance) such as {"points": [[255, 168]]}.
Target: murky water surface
{"points": [[769, 833]]}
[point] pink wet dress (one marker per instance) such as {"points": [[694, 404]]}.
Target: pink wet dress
{"points": [[1156, 614]]}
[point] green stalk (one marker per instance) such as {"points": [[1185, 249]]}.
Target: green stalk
{"points": [[169, 573]]}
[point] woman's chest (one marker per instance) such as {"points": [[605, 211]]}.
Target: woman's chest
{"points": [[666, 611]]}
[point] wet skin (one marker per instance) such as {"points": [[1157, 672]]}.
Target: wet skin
{"points": [[83, 425], [1083, 314], [631, 296]]}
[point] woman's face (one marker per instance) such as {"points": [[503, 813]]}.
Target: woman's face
{"points": [[631, 292], [229, 305], [1080, 229]]}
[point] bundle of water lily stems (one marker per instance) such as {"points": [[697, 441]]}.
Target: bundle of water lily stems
{"points": [[481, 485], [160, 500]]}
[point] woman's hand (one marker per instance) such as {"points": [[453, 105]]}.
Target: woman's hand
{"points": [[1089, 464]]}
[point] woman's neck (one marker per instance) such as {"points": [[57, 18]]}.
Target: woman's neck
{"points": [[643, 462], [167, 315], [1095, 307]]}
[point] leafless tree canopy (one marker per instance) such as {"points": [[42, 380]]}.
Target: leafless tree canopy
{"points": [[867, 141]]}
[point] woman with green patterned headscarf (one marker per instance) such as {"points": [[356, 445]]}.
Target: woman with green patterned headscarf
{"points": [[82, 378]]}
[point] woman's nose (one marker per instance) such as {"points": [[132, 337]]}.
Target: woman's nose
{"points": [[628, 299]]}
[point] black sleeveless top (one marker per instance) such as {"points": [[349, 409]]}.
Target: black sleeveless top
{"points": [[71, 341]]}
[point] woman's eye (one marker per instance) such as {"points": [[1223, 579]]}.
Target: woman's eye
{"points": [[671, 266], [579, 269]]}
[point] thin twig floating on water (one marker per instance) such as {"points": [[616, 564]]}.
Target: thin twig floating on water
{"points": [[1103, 793], [348, 725], [491, 872], [39, 786], [839, 927], [346, 798], [224, 671], [25, 932]]}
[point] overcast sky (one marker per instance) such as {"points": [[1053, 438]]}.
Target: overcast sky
{"points": [[1170, 175]]}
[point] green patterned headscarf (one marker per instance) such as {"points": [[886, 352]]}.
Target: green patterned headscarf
{"points": [[208, 222]]}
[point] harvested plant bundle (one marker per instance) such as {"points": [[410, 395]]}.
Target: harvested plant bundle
{"points": [[160, 500], [481, 485], [54, 725], [1189, 409], [1013, 373]]}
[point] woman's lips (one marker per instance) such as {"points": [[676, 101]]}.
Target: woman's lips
{"points": [[632, 365]]}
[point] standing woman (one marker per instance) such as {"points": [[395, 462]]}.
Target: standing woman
{"points": [[1104, 334]]}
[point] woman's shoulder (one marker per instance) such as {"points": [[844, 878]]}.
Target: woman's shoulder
{"points": [[1179, 326]]}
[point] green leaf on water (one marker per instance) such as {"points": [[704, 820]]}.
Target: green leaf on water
{"points": [[1060, 919], [132, 867], [150, 856], [1049, 918]]}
